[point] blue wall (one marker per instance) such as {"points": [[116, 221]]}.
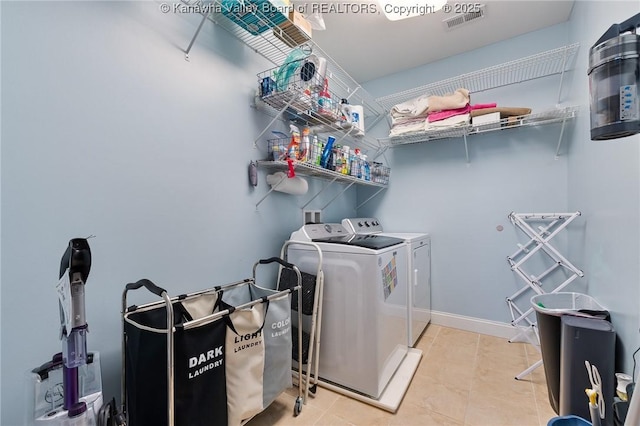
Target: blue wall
{"points": [[604, 183], [108, 130], [433, 190]]}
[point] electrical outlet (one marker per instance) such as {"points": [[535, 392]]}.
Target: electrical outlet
{"points": [[311, 216]]}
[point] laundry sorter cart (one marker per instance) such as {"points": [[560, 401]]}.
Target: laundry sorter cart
{"points": [[311, 311], [214, 357]]}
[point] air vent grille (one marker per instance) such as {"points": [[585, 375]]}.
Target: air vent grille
{"points": [[478, 11]]}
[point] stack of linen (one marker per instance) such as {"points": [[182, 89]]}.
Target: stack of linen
{"points": [[431, 112]]}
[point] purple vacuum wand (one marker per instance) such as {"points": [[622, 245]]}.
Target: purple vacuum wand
{"points": [[77, 261]]}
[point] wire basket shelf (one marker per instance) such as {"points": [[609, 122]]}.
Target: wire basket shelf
{"points": [[275, 45], [542, 118], [543, 64], [342, 165]]}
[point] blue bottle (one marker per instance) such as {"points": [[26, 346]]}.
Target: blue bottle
{"points": [[367, 169], [324, 160]]}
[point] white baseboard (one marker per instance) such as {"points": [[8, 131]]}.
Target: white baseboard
{"points": [[476, 325]]}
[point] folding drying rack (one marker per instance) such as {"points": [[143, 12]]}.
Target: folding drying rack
{"points": [[539, 241]]}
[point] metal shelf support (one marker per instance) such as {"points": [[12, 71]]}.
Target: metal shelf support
{"points": [[195, 36], [334, 198], [564, 122], [370, 198], [319, 192]]}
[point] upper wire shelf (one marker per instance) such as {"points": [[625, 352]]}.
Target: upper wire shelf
{"points": [[276, 48], [551, 116], [555, 61]]}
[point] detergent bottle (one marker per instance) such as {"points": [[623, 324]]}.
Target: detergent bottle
{"points": [[357, 120]]}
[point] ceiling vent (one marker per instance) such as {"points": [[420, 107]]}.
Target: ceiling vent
{"points": [[473, 12]]}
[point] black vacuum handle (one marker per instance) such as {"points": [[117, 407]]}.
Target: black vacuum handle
{"points": [[77, 258], [616, 29]]}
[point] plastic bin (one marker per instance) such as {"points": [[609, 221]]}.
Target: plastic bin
{"points": [[568, 421], [549, 308]]}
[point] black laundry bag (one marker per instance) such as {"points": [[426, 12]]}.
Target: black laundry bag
{"points": [[288, 280], [199, 369]]}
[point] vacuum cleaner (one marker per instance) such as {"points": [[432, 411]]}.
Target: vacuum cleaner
{"points": [[68, 388], [614, 78]]}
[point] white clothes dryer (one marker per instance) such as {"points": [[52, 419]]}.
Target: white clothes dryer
{"points": [[364, 320], [419, 271]]}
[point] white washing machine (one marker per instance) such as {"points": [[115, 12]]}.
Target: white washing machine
{"points": [[364, 321], [419, 271]]}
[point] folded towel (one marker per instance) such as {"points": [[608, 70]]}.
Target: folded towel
{"points": [[444, 114], [410, 109], [441, 115], [410, 126], [423, 126], [457, 99], [455, 121]]}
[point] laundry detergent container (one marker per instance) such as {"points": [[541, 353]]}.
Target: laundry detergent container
{"points": [[550, 307]]}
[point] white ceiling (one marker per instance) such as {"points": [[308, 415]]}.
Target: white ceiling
{"points": [[369, 46]]}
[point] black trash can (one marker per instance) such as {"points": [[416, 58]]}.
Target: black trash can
{"points": [[549, 309], [592, 340]]}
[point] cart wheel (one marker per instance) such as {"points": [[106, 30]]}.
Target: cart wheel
{"points": [[297, 408]]}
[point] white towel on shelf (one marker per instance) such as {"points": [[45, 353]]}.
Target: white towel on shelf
{"points": [[416, 107], [408, 126], [417, 126]]}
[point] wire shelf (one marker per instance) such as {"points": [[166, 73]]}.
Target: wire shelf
{"points": [[280, 149], [543, 64], [275, 45], [298, 104], [538, 119], [319, 172]]}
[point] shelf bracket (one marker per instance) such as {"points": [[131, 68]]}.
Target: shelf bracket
{"points": [[564, 65], [273, 120], [560, 138], [380, 151], [341, 192], [319, 192], [195, 36], [353, 92], [270, 191], [466, 147], [370, 198]]}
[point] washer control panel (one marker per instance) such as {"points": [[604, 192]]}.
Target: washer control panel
{"points": [[362, 225], [315, 231]]}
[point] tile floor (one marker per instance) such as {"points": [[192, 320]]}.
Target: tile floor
{"points": [[464, 379]]}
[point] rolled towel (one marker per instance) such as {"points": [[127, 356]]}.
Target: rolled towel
{"points": [[280, 182], [458, 99], [412, 108]]}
